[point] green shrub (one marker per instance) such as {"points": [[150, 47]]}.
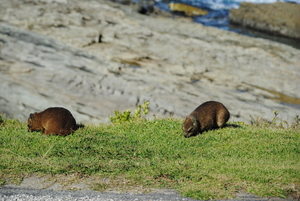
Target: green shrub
{"points": [[140, 112]]}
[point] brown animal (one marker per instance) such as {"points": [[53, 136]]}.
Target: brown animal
{"points": [[54, 120], [209, 115]]}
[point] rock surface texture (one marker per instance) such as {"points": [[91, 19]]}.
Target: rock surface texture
{"points": [[277, 18], [94, 57]]}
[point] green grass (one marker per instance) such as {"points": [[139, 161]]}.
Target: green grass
{"points": [[217, 164]]}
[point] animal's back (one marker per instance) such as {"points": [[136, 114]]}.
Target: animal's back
{"points": [[211, 115], [59, 120], [207, 116], [56, 120], [58, 113]]}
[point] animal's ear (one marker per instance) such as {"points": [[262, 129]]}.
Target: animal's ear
{"points": [[31, 116], [194, 121]]}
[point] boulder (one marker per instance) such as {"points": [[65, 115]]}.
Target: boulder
{"points": [[276, 18]]}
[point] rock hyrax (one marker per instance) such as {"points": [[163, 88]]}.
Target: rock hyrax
{"points": [[209, 115], [54, 120]]}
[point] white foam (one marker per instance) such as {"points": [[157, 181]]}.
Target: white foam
{"points": [[228, 4]]}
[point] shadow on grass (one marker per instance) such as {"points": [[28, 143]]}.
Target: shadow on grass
{"points": [[79, 126], [232, 126]]}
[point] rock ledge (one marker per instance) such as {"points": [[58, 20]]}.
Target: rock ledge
{"points": [[278, 18]]}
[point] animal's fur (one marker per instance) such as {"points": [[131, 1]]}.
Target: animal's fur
{"points": [[209, 115], [54, 120]]}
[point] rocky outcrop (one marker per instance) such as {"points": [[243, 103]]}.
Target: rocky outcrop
{"points": [[94, 57], [277, 18], [186, 9]]}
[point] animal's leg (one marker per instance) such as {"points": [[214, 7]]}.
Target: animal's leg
{"points": [[45, 132]]}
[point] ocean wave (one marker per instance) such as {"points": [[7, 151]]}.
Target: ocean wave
{"points": [[218, 4]]}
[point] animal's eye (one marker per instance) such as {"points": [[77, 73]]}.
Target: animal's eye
{"points": [[190, 129]]}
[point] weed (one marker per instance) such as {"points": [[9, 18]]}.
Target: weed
{"points": [[296, 124], [125, 116], [260, 122]]}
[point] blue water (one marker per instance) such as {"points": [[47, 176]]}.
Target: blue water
{"points": [[218, 9], [217, 16]]}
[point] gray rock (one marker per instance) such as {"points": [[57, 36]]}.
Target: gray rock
{"points": [[53, 187], [277, 18], [12, 194], [50, 55]]}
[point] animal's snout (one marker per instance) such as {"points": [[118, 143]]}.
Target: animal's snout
{"points": [[28, 128]]}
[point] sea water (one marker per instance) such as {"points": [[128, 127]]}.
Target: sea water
{"points": [[218, 9], [217, 16]]}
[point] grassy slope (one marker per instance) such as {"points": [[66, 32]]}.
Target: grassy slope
{"points": [[216, 164]]}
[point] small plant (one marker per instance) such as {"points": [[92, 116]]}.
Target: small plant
{"points": [[260, 122], [296, 124], [140, 112], [274, 120]]}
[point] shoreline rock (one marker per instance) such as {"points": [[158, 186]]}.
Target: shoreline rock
{"points": [[51, 55], [186, 9], [276, 18]]}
